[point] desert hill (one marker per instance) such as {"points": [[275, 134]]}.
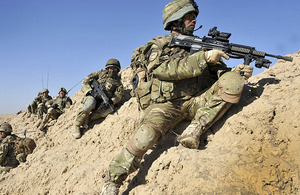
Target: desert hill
{"points": [[253, 149]]}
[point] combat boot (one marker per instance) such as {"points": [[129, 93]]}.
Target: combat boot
{"points": [[86, 123], [110, 188], [38, 123], [76, 132], [190, 138]]}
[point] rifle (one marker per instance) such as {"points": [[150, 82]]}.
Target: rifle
{"points": [[98, 92], [219, 41]]}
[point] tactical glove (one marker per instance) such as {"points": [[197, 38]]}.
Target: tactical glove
{"points": [[214, 56], [244, 70], [21, 157]]}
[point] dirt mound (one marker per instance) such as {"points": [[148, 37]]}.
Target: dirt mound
{"points": [[253, 149]]}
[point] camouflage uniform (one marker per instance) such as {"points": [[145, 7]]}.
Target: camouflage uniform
{"points": [[94, 109], [9, 157], [178, 86], [38, 104], [42, 108], [56, 107]]}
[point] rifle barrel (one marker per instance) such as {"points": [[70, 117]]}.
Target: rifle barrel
{"points": [[280, 57]]}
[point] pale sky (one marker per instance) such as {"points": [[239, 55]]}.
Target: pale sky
{"points": [[56, 43]]}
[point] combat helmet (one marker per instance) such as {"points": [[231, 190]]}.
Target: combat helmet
{"points": [[113, 63], [176, 9], [5, 127], [62, 89], [45, 91]]}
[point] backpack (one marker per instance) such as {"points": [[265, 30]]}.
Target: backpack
{"points": [[25, 145], [138, 64], [139, 61]]}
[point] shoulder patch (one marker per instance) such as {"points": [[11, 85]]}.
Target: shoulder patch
{"points": [[153, 56]]}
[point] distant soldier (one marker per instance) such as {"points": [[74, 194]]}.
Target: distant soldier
{"points": [[13, 149], [93, 106], [41, 108], [56, 107], [37, 104]]}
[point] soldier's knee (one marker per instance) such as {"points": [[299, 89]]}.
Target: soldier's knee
{"points": [[89, 104], [41, 105], [231, 85], [50, 111], [143, 139]]}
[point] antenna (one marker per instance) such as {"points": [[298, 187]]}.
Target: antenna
{"points": [[42, 80], [47, 76], [75, 85]]}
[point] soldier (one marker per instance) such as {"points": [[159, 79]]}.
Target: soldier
{"points": [[37, 105], [94, 107], [177, 86], [56, 107], [9, 157], [42, 108]]}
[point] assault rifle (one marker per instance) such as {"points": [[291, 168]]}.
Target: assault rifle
{"points": [[98, 93], [219, 41]]}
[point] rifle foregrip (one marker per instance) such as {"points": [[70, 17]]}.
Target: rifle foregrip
{"points": [[247, 50], [240, 50]]}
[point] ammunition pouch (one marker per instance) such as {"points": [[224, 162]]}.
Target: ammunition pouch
{"points": [[162, 91], [143, 94]]}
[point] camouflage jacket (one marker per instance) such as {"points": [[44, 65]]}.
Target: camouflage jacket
{"points": [[62, 103], [41, 99], [8, 151], [175, 74], [113, 85]]}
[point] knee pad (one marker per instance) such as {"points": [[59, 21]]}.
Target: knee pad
{"points": [[89, 104], [231, 85], [50, 111], [143, 139]]}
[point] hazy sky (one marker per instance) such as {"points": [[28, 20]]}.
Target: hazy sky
{"points": [[56, 43]]}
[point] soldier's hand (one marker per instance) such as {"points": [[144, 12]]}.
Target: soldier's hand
{"points": [[214, 56], [21, 157], [244, 70]]}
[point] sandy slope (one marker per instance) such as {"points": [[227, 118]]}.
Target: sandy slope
{"points": [[253, 149]]}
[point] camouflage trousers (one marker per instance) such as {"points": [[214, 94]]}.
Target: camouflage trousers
{"points": [[89, 112], [52, 113], [41, 110], [203, 109], [32, 108]]}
